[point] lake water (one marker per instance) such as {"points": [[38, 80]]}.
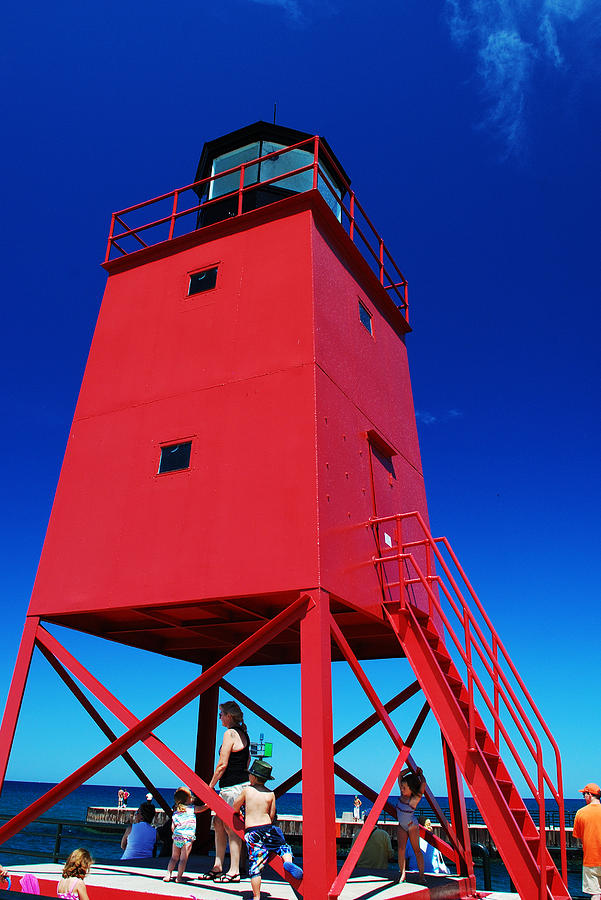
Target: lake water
{"points": [[40, 836]]}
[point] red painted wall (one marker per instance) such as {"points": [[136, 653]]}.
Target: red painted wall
{"points": [[234, 370], [362, 385], [276, 381]]}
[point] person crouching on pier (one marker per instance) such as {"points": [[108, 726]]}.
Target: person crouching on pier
{"points": [[412, 787], [263, 839]]}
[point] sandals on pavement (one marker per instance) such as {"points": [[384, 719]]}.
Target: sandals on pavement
{"points": [[222, 878], [211, 875]]}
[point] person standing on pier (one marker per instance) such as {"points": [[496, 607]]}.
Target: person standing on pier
{"points": [[412, 787], [587, 828], [231, 772]]}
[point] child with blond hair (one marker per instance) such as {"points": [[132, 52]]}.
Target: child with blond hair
{"points": [[77, 866]]}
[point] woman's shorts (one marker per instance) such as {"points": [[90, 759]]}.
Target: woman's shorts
{"points": [[230, 794], [591, 879]]}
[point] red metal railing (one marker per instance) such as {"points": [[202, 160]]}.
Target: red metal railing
{"points": [[162, 218], [473, 649]]}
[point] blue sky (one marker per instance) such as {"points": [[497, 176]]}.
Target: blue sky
{"points": [[470, 131]]}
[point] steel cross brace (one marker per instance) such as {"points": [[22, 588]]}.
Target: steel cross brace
{"points": [[372, 818], [102, 724], [340, 744], [363, 680], [142, 729], [343, 742]]}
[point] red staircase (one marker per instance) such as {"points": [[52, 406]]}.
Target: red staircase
{"points": [[467, 678]]}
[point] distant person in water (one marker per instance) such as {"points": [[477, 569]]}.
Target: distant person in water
{"points": [[263, 839], [76, 868], [140, 837], [412, 787], [183, 828], [587, 828]]}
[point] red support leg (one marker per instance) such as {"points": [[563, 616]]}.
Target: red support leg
{"points": [[15, 694], [204, 764], [319, 813], [458, 813]]}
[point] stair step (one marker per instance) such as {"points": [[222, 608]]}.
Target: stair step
{"points": [[452, 679], [420, 614], [443, 659]]}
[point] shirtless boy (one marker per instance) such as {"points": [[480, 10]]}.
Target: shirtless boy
{"points": [[263, 838]]}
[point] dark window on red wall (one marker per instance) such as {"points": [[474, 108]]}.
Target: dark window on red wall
{"points": [[202, 281], [365, 318], [175, 457]]}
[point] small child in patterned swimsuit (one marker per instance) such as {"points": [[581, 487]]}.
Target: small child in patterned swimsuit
{"points": [[263, 839], [183, 826]]}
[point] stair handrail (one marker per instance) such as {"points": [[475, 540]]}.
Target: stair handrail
{"points": [[466, 657], [483, 693], [541, 771], [542, 849]]}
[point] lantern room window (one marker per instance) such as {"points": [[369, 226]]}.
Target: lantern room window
{"points": [[280, 164], [175, 457]]}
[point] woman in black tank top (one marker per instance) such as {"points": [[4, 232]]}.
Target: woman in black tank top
{"points": [[231, 772]]}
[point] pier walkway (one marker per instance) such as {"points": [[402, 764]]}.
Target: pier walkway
{"points": [[142, 880]]}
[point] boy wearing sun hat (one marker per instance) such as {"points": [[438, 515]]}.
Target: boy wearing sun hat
{"points": [[263, 839], [587, 828]]}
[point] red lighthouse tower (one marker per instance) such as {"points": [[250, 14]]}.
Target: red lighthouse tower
{"points": [[242, 485]]}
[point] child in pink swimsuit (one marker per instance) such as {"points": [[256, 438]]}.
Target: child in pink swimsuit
{"points": [[71, 886]]}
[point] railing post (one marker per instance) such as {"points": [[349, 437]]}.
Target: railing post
{"points": [[351, 230], [57, 843], [173, 212], [542, 833], [399, 526], [429, 576], [241, 189], [381, 261], [315, 161], [109, 244], [470, 681], [496, 688]]}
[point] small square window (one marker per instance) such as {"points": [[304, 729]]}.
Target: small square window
{"points": [[202, 281], [175, 457], [365, 318]]}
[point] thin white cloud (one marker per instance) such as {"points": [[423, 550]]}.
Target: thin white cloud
{"points": [[428, 418], [290, 7], [510, 38]]}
